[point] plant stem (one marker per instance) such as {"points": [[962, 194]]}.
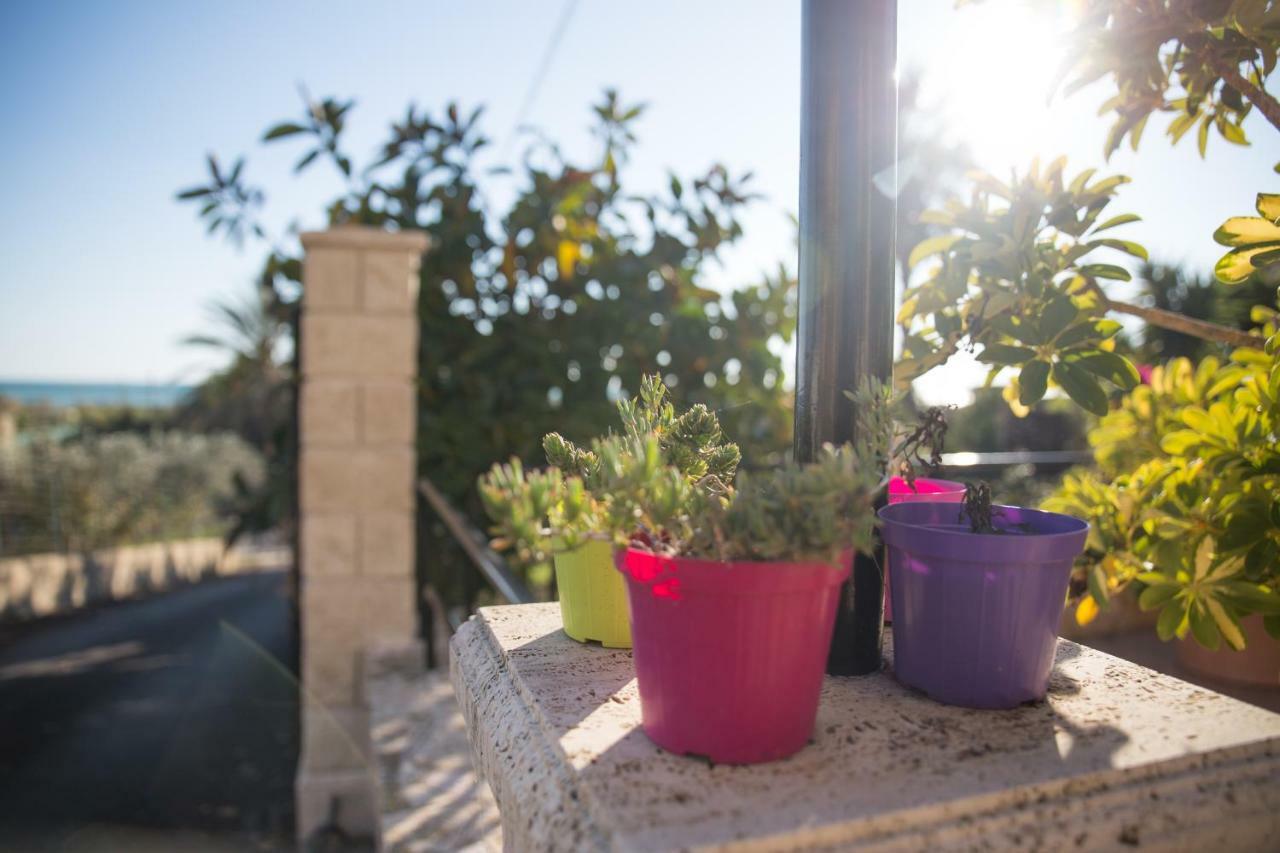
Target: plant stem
{"points": [[1266, 104], [1175, 322]]}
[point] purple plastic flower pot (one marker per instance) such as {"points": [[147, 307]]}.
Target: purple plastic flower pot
{"points": [[923, 489], [729, 656], [976, 615]]}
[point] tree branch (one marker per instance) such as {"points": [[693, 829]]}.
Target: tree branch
{"points": [[1175, 322], [1266, 104]]}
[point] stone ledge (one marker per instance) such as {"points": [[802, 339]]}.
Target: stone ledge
{"points": [[366, 237], [1117, 755]]}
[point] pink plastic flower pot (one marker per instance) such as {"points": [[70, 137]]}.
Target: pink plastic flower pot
{"points": [[926, 489], [729, 656]]}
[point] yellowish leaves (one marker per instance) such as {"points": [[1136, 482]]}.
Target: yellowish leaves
{"points": [[567, 254], [1087, 610]]}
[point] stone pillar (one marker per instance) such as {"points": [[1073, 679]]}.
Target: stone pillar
{"points": [[359, 339]]}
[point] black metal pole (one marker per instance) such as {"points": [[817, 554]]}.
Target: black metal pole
{"points": [[848, 153]]}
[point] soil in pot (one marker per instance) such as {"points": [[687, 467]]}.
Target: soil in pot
{"points": [[976, 614], [593, 598], [730, 656]]}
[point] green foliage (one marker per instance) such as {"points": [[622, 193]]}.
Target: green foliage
{"points": [[253, 396], [1185, 500], [794, 512], [1202, 63], [540, 315], [1011, 279], [1255, 242], [658, 485], [100, 491], [539, 512]]}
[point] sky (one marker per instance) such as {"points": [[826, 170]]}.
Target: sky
{"points": [[112, 106]]}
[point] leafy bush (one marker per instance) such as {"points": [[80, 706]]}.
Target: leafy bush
{"points": [[1185, 501], [540, 315], [122, 488]]}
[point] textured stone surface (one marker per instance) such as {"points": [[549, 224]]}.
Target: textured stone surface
{"points": [[431, 799], [329, 544], [390, 281], [388, 413], [1117, 755], [333, 279], [359, 358], [329, 412], [359, 345]]}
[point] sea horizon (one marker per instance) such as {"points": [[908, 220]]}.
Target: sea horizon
{"points": [[60, 393]]}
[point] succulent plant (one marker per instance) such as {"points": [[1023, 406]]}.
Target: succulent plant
{"points": [[666, 483], [537, 513]]}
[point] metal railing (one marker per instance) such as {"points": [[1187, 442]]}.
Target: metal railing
{"points": [[1043, 461], [485, 562]]}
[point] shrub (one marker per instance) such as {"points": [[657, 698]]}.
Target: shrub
{"points": [[122, 488]]}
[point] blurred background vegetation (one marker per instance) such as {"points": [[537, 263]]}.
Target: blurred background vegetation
{"points": [[536, 315]]}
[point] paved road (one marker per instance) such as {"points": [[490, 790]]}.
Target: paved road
{"points": [[165, 724]]}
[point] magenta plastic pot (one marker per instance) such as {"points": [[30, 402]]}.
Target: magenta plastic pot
{"points": [[729, 656], [976, 615], [923, 489]]}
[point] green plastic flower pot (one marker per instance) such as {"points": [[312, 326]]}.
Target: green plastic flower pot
{"points": [[593, 596]]}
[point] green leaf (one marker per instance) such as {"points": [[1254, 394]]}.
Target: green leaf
{"points": [[1005, 354], [1020, 328], [1177, 443], [1114, 368], [1156, 595], [283, 129], [932, 246], [1057, 315], [1226, 623], [1256, 598], [1089, 330], [306, 160], [1122, 219], [1172, 620], [194, 192], [1098, 585], [1032, 382], [1202, 628], [1081, 387], [1247, 231], [1268, 204], [1237, 266], [1127, 246], [1110, 271]]}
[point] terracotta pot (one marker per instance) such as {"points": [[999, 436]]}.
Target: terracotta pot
{"points": [[1259, 663]]}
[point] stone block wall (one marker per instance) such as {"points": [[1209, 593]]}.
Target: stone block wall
{"points": [[357, 422]]}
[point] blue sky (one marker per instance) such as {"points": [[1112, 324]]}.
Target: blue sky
{"points": [[111, 107]]}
